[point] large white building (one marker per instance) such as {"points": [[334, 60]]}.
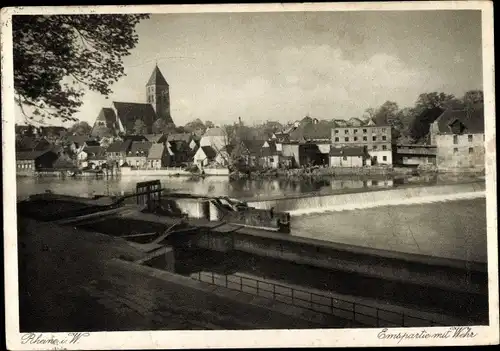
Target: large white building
{"points": [[376, 138]]}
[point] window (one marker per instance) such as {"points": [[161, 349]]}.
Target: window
{"points": [[384, 137], [374, 138], [384, 158], [374, 147], [355, 131], [455, 150], [470, 138], [344, 158], [364, 130], [346, 131], [455, 139], [346, 139], [271, 159], [365, 138], [336, 131], [336, 139], [355, 138], [384, 147], [471, 150], [383, 130]]}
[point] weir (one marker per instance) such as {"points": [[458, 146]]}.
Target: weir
{"points": [[308, 204]]}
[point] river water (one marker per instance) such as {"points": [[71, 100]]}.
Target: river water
{"points": [[222, 186], [451, 229]]}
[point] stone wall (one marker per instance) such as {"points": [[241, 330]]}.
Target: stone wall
{"points": [[260, 218], [127, 171], [216, 171], [458, 276], [466, 153]]}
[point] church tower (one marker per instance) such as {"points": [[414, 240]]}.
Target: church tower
{"points": [[157, 92]]}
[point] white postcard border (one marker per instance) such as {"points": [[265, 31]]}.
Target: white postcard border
{"points": [[258, 338]]}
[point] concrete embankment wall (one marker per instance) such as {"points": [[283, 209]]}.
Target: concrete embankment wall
{"points": [[164, 172], [127, 171], [454, 275], [452, 285], [309, 204]]}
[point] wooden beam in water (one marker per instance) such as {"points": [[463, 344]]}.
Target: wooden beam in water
{"points": [[138, 235], [166, 232]]}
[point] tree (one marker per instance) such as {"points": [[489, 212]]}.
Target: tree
{"points": [[195, 126], [368, 114], [140, 127], [170, 128], [271, 127], [159, 126], [53, 54], [306, 120], [429, 101], [428, 108], [472, 98], [209, 124], [80, 128], [387, 113]]}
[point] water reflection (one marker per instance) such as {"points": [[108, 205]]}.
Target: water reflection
{"points": [[219, 186]]}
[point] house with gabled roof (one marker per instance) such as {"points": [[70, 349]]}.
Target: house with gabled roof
{"points": [[156, 156], [76, 143], [137, 154], [458, 135], [28, 162], [204, 156], [154, 138], [178, 149], [215, 137], [272, 157], [29, 143], [116, 153], [134, 138], [94, 156], [248, 151], [121, 117]]}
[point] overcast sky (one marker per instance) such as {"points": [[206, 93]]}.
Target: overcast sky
{"points": [[282, 66]]}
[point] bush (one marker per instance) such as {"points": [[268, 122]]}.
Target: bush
{"points": [[192, 169]]}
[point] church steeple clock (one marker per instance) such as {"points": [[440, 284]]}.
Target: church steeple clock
{"points": [[158, 95]]}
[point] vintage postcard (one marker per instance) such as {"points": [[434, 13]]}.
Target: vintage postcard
{"points": [[241, 176]]}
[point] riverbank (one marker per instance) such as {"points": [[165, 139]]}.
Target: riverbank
{"points": [[322, 172], [295, 173]]}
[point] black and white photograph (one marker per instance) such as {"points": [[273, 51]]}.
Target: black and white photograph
{"points": [[270, 175]]}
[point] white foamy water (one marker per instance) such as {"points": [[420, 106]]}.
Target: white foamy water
{"points": [[390, 202]]}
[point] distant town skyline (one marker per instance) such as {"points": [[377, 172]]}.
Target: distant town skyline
{"points": [[283, 66]]}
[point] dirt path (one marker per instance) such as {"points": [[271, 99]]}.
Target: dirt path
{"points": [[67, 282]]}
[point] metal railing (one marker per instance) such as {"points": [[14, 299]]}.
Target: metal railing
{"points": [[358, 313]]}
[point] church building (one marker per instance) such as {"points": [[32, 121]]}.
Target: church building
{"points": [[121, 117]]}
